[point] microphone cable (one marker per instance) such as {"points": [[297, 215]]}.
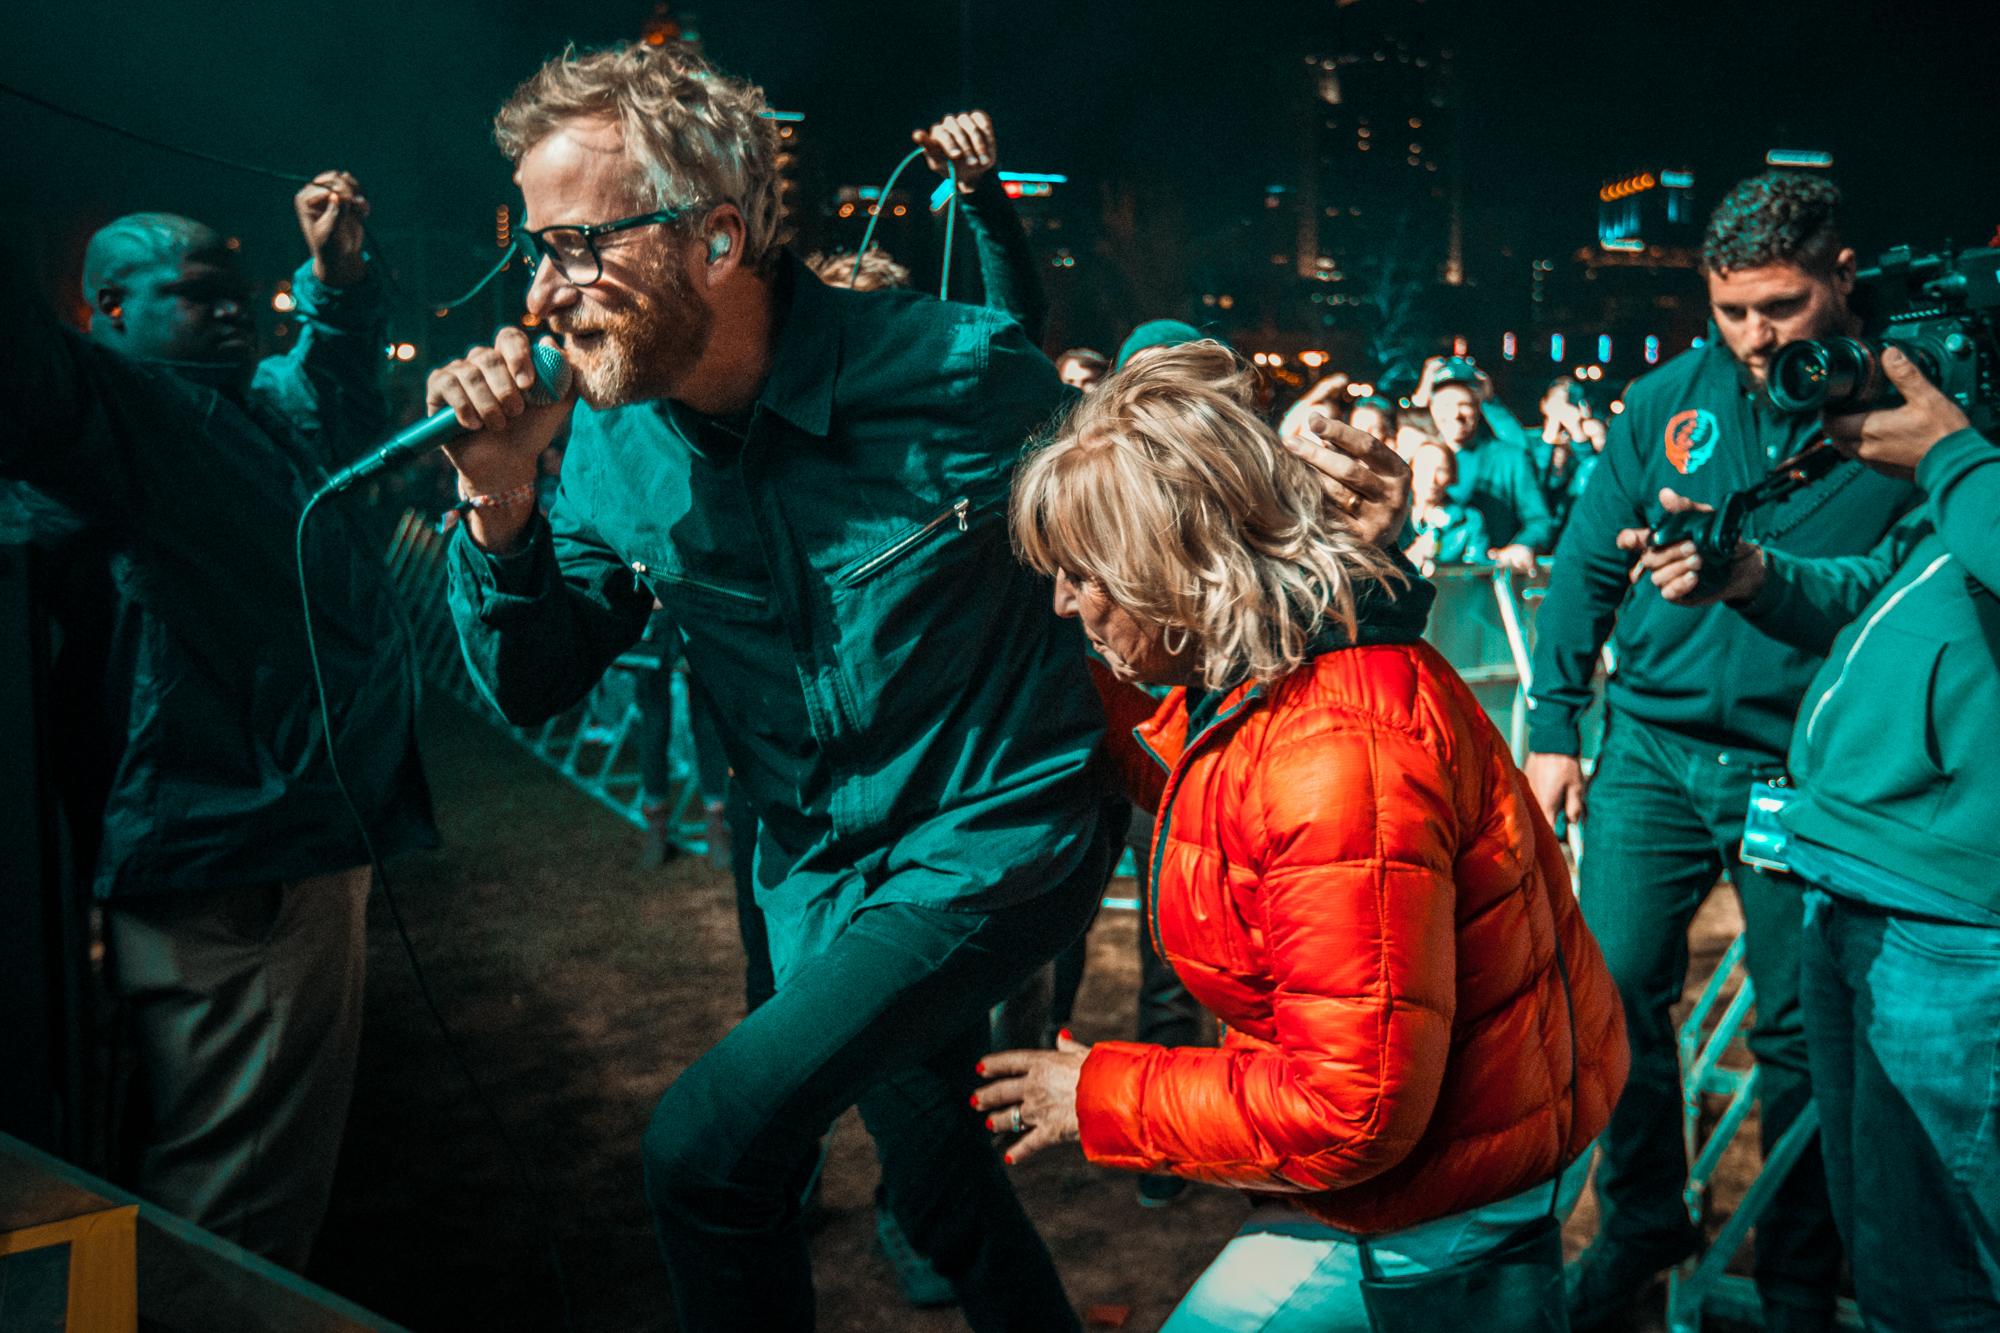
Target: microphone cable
{"points": [[529, 1182], [269, 173], [950, 218]]}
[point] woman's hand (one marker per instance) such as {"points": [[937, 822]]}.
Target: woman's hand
{"points": [[1033, 1094]]}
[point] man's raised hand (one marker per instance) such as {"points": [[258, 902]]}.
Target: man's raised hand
{"points": [[332, 211], [966, 141], [487, 389]]}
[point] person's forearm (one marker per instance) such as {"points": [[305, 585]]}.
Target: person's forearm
{"points": [[1587, 584], [538, 637], [342, 331], [1807, 602], [500, 529], [1007, 268], [1538, 525], [1961, 477], [1585, 592]]}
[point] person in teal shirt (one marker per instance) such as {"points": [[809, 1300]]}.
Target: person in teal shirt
{"points": [[1699, 712], [813, 482], [1890, 836]]}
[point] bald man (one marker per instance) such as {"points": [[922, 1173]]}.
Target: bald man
{"points": [[164, 468]]}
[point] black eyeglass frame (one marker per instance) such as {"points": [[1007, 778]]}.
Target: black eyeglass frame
{"points": [[589, 232]]}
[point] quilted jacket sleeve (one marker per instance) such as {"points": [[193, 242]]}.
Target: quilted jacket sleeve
{"points": [[1353, 830]]}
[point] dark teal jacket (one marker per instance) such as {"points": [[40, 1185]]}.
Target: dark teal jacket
{"points": [[1008, 275], [1462, 539], [908, 716], [187, 735], [1894, 754], [1496, 477], [1700, 672], [1560, 488]]}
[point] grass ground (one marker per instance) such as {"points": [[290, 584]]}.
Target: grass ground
{"points": [[576, 987]]}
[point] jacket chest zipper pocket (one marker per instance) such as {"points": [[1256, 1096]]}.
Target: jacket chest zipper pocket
{"points": [[874, 564], [643, 569]]}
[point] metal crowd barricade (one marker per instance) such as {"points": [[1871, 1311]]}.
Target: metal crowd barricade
{"points": [[590, 745], [1703, 1285], [1484, 624]]}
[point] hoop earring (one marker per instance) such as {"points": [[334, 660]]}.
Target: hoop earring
{"points": [[1167, 640]]}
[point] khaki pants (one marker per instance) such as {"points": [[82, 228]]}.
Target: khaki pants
{"points": [[246, 1007]]}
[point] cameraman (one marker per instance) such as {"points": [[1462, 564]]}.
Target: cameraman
{"points": [[1702, 703], [1892, 837]]}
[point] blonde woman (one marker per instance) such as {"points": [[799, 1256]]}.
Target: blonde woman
{"points": [[1351, 873]]}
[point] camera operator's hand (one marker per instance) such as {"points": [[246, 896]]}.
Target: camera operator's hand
{"points": [[487, 389], [1558, 783], [1358, 474], [1893, 440], [1676, 570], [966, 141]]}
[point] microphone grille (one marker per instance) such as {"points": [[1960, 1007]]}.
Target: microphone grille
{"points": [[552, 375]]}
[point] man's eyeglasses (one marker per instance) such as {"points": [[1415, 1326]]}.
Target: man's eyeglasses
{"points": [[573, 250]]}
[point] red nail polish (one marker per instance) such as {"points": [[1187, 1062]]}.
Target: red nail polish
{"points": [[973, 1101], [1067, 1035], [1008, 1159], [979, 1069]]}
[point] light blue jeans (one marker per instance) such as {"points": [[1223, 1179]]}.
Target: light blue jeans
{"points": [[1285, 1273]]}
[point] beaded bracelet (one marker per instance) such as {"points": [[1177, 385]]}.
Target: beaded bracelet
{"points": [[519, 495]]}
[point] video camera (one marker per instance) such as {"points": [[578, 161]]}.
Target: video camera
{"points": [[1942, 310], [1715, 533]]}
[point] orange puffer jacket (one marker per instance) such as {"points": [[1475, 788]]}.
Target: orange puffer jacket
{"points": [[1354, 877]]}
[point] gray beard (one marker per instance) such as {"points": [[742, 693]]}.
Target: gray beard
{"points": [[648, 351]]}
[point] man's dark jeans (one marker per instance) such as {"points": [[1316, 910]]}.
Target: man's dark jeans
{"points": [[1664, 822], [1903, 1020], [891, 1016]]}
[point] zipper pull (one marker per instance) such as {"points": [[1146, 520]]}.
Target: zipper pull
{"points": [[959, 506]]}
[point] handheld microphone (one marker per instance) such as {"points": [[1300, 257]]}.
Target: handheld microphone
{"points": [[552, 377]]}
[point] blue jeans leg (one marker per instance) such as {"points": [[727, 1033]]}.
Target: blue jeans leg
{"points": [[1283, 1272], [1902, 1019]]}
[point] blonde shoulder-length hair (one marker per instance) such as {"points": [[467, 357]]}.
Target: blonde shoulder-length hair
{"points": [[1166, 490]]}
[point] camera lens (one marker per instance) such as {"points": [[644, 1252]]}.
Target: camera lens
{"points": [[1821, 376]]}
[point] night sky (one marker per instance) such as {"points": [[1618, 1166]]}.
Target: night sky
{"points": [[1181, 100]]}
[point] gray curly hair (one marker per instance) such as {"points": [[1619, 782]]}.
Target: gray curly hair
{"points": [[699, 137], [1166, 489]]}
